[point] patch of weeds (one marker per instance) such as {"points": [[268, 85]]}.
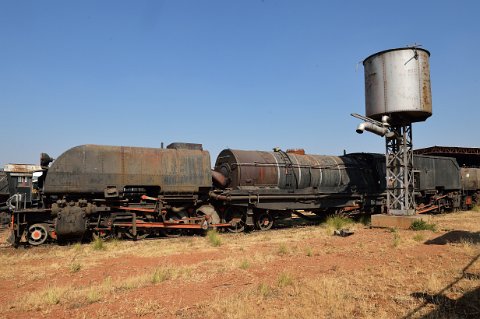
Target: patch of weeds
{"points": [[75, 267], [264, 290], [132, 282], [338, 222], [284, 280], [422, 225], [52, 296], [160, 275], [245, 264], [98, 244], [214, 238], [282, 249], [419, 237], [396, 238], [107, 284], [93, 295], [77, 247], [309, 252], [476, 208]]}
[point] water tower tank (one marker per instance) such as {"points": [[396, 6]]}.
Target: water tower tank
{"points": [[397, 83]]}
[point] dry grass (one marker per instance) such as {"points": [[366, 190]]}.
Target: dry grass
{"points": [[284, 280], [319, 298], [245, 264], [282, 249], [75, 267], [264, 273], [74, 295], [148, 308], [459, 220]]}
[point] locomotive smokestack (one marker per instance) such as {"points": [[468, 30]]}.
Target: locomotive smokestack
{"points": [[45, 159]]}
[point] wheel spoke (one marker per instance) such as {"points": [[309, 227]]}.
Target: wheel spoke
{"points": [[264, 220], [236, 217]]}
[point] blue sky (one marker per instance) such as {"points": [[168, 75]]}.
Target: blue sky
{"points": [[239, 74]]}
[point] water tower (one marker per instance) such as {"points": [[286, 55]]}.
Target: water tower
{"points": [[397, 94]]}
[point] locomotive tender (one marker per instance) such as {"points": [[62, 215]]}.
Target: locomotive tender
{"points": [[112, 190], [134, 192]]}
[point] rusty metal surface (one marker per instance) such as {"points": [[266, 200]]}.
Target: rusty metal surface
{"points": [[22, 168], [281, 170], [397, 82], [140, 224], [219, 179], [185, 146], [436, 173], [4, 189], [470, 179], [299, 151], [91, 168]]}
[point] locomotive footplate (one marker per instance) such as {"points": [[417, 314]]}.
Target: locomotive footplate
{"points": [[188, 223]]}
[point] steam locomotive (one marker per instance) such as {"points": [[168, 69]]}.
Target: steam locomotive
{"points": [[135, 192]]}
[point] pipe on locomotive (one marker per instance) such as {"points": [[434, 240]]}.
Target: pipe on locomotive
{"points": [[219, 179]]}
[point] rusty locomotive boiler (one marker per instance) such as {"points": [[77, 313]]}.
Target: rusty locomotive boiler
{"points": [[257, 187]]}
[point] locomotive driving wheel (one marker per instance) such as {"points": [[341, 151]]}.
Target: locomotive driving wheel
{"points": [[37, 234], [236, 216], [173, 232], [141, 233], [263, 220]]}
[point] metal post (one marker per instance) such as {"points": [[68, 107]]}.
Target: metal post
{"points": [[399, 166]]}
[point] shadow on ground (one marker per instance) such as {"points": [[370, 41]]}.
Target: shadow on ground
{"points": [[467, 306], [456, 236]]}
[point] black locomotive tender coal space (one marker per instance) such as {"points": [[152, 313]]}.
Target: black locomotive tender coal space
{"points": [[135, 192]]}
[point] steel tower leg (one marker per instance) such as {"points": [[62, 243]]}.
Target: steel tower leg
{"points": [[399, 160]]}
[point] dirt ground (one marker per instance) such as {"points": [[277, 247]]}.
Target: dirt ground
{"points": [[300, 272]]}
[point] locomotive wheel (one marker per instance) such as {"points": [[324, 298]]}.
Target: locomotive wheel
{"points": [[235, 216], [172, 232], [141, 234], [37, 234], [263, 221]]}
